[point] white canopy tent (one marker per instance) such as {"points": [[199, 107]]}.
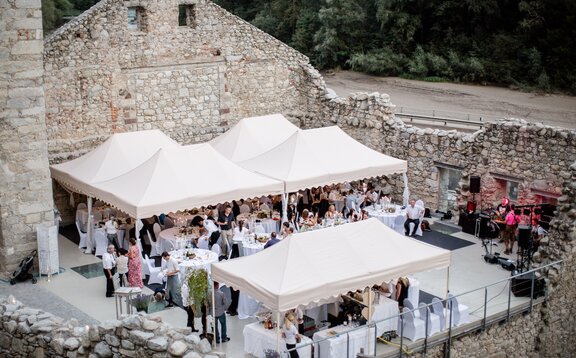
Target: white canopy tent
{"points": [[322, 156], [180, 178], [317, 265], [119, 154], [253, 136]]}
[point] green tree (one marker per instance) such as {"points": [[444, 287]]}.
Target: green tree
{"points": [[52, 13]]}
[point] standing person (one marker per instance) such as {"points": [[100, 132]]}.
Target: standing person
{"points": [[509, 232], [188, 306], [220, 304], [111, 227], [108, 264], [122, 266], [273, 240], [134, 265], [226, 222], [413, 213], [173, 285], [290, 335]]}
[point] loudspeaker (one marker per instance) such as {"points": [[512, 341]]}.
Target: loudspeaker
{"points": [[524, 236], [468, 222], [475, 184], [522, 285], [506, 264], [484, 220]]}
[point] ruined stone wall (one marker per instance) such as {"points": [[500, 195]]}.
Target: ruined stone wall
{"points": [[192, 82], [531, 154], [25, 185], [28, 332]]}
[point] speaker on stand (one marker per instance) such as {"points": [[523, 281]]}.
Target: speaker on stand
{"points": [[474, 184]]}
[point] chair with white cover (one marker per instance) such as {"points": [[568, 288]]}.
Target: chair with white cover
{"points": [[439, 310], [82, 206], [420, 203], [143, 263], [413, 328], [408, 305], [259, 229], [153, 244], [204, 243], [83, 237], [399, 224], [216, 248], [460, 313], [433, 319], [101, 242], [154, 275]]}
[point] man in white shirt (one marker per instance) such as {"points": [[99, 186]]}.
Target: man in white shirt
{"points": [[413, 213], [109, 267], [112, 231], [244, 208], [173, 286]]}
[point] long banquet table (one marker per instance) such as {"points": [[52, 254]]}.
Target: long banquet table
{"points": [[257, 339], [360, 339]]}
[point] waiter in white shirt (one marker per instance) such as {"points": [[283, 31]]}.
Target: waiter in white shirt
{"points": [[173, 286], [109, 266], [413, 213]]}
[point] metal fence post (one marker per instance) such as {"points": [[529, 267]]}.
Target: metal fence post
{"points": [[485, 307], [449, 340], [532, 290], [427, 318], [509, 300], [401, 334]]}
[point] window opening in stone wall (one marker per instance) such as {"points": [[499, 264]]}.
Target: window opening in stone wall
{"points": [[186, 15], [448, 183], [512, 191], [137, 18]]}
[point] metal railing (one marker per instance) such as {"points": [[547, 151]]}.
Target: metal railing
{"points": [[444, 117], [451, 330]]}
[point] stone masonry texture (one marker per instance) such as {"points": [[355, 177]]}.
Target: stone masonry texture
{"points": [[96, 76]]}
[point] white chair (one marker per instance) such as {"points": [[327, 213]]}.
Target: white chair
{"points": [[399, 224], [420, 203], [101, 242], [216, 248], [259, 229], [413, 328], [433, 319], [439, 310], [143, 264], [154, 276], [82, 206], [408, 305], [83, 237], [153, 245], [460, 313], [204, 243]]}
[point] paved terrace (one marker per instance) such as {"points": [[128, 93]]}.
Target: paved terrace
{"points": [[71, 295]]}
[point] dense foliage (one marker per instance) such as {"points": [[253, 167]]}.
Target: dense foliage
{"points": [[520, 43]]}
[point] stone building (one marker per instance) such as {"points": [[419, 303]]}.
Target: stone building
{"points": [[191, 69]]}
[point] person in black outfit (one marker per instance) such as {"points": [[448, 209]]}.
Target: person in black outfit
{"points": [[402, 291], [149, 227]]}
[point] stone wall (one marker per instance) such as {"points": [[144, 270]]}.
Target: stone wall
{"points": [[192, 82], [510, 149], [27, 332], [25, 186]]}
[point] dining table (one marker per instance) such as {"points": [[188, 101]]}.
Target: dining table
{"points": [[172, 239], [386, 214], [202, 260], [257, 340]]}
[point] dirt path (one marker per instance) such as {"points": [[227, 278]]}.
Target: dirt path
{"points": [[459, 101]]}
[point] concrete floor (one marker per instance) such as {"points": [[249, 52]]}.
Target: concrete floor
{"points": [[71, 295]]}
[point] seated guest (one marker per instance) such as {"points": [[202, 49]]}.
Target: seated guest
{"points": [[365, 215], [307, 221], [168, 223], [273, 240], [244, 208], [384, 199], [413, 213], [264, 207], [158, 301], [241, 230], [285, 231], [203, 242], [331, 213]]}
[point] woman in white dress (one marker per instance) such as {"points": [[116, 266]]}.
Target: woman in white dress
{"points": [[240, 231], [290, 335]]}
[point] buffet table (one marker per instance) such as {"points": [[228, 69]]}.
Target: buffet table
{"points": [[386, 308], [257, 339], [361, 339]]}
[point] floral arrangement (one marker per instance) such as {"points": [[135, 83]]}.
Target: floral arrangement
{"points": [[141, 302], [261, 239], [262, 215], [190, 254], [198, 287], [391, 210]]}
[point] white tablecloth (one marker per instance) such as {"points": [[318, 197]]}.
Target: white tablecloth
{"points": [[386, 217], [202, 260], [362, 338], [385, 309], [252, 248], [247, 306], [269, 225], [170, 239], [257, 339]]}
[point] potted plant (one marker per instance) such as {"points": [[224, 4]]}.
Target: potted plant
{"points": [[141, 302], [198, 288]]}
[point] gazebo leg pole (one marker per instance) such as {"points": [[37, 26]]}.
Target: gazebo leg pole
{"points": [[89, 227], [369, 318], [447, 281], [278, 331], [214, 322]]}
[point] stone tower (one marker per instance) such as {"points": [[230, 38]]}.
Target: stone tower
{"points": [[25, 185]]}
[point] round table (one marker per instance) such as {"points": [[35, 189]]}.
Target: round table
{"points": [[202, 260], [171, 239], [385, 217]]}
